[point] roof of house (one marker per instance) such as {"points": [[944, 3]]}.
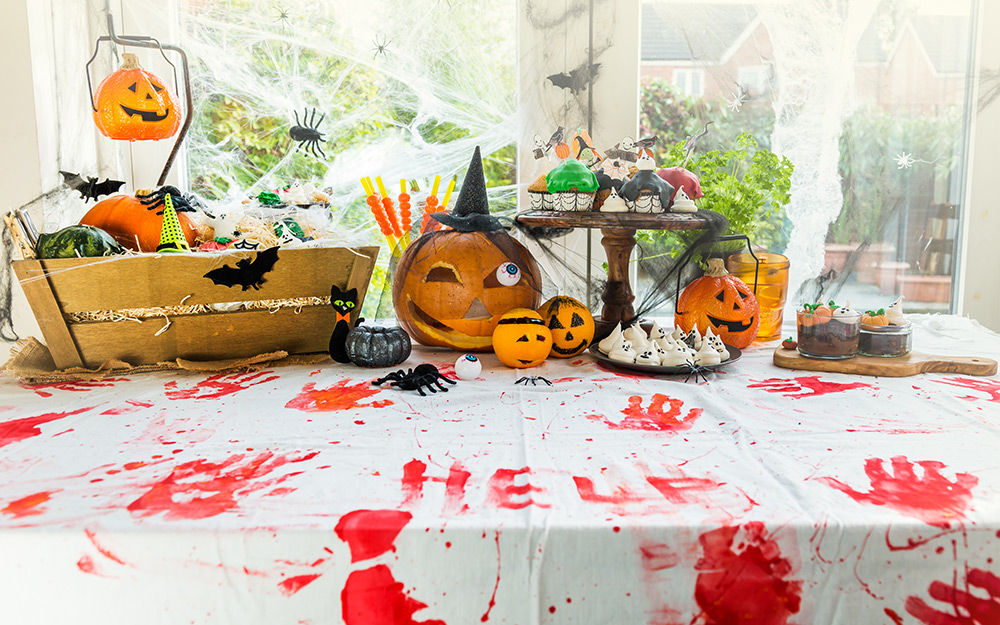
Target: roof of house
{"points": [[692, 31]]}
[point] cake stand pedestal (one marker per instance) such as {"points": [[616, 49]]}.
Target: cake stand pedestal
{"points": [[618, 240]]}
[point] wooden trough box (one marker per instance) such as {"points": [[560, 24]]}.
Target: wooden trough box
{"points": [[86, 307]]}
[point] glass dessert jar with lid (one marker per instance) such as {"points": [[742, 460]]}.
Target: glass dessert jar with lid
{"points": [[885, 341], [828, 333]]}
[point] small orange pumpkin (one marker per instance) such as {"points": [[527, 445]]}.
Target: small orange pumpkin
{"points": [[571, 324], [135, 105], [874, 318], [521, 339], [132, 224], [720, 301]]}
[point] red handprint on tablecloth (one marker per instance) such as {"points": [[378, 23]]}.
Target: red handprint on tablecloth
{"points": [[655, 417], [933, 499], [990, 387], [965, 608], [806, 386], [78, 386], [219, 385], [341, 396]]}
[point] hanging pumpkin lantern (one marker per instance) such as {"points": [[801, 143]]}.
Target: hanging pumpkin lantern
{"points": [[133, 224], [135, 105], [720, 301], [571, 324], [452, 286], [521, 339]]}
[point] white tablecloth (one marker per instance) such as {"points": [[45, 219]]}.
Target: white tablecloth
{"points": [[306, 495]]}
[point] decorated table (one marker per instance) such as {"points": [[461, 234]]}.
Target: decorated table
{"points": [[304, 494]]}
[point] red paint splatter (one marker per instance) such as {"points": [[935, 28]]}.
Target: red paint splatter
{"points": [[493, 598], [933, 499], [370, 533], [341, 396], [808, 386], [654, 418], [980, 611], [199, 489], [219, 385], [750, 586], [100, 549], [20, 429], [292, 585], [374, 597], [896, 618], [503, 491], [131, 406], [990, 387], [86, 564], [620, 496], [78, 386], [454, 486], [27, 506], [680, 489], [658, 557]]}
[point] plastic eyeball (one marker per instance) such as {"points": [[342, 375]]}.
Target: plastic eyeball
{"points": [[508, 274], [468, 367]]}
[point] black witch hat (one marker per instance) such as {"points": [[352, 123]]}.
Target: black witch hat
{"points": [[472, 209]]}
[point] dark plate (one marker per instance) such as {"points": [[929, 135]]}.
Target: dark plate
{"points": [[734, 355]]}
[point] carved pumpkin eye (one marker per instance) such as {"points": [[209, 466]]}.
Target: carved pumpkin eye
{"points": [[132, 87], [721, 296], [576, 321], [555, 324], [157, 88], [508, 274], [442, 273], [742, 294]]}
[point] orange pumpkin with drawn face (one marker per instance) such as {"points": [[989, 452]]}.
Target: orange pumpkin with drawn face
{"points": [[571, 324], [133, 104], [521, 339], [451, 288], [720, 301]]}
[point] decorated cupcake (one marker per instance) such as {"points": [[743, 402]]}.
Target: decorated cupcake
{"points": [[538, 193], [572, 186], [679, 177], [605, 185], [645, 192]]}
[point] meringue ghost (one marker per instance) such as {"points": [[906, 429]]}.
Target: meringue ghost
{"points": [[894, 314], [648, 357], [622, 351], [707, 355], [675, 357], [608, 343]]}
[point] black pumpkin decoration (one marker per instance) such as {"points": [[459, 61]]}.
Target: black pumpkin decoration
{"points": [[373, 346]]}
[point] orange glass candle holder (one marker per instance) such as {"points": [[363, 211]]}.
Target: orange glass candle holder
{"points": [[772, 287]]}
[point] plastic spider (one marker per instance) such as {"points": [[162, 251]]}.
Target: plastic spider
{"points": [[695, 370], [283, 16], [423, 376], [308, 134], [533, 379], [154, 199], [380, 48]]}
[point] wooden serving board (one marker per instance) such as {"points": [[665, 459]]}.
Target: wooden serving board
{"points": [[900, 367]]}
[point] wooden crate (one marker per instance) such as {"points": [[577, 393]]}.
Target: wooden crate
{"points": [[55, 288]]}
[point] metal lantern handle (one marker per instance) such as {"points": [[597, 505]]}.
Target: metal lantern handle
{"points": [[728, 237], [141, 41]]}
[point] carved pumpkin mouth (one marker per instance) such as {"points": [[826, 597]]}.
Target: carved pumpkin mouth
{"points": [[147, 116], [732, 326], [569, 351], [426, 319], [442, 332]]}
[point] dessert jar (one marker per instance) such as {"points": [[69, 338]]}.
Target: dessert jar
{"points": [[885, 341], [828, 336]]}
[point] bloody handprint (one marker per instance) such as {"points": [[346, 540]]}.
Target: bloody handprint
{"points": [[663, 414], [806, 386], [933, 499], [965, 608], [219, 385]]}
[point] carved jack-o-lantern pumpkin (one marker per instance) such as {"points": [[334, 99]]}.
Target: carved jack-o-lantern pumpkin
{"points": [[452, 286], [720, 301], [135, 105], [571, 324], [521, 339]]}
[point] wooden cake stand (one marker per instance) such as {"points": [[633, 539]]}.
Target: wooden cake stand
{"points": [[618, 230]]}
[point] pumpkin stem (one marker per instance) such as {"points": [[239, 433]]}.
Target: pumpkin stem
{"points": [[716, 268], [130, 61]]}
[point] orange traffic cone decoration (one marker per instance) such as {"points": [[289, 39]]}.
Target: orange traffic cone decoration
{"points": [[171, 236]]}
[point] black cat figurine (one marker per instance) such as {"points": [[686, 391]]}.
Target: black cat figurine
{"points": [[343, 303]]}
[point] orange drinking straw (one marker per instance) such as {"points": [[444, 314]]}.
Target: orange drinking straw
{"points": [[379, 213], [389, 209], [404, 212]]}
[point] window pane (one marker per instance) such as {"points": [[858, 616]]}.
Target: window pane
{"points": [[868, 100]]}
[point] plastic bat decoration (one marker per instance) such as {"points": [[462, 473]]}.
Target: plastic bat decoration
{"points": [[90, 189], [247, 273], [577, 80]]}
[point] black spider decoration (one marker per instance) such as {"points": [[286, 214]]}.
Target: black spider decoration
{"points": [[154, 199], [423, 376], [283, 17], [695, 370], [533, 379], [380, 48], [308, 134]]}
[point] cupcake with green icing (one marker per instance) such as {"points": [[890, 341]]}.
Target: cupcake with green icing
{"points": [[572, 186]]}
